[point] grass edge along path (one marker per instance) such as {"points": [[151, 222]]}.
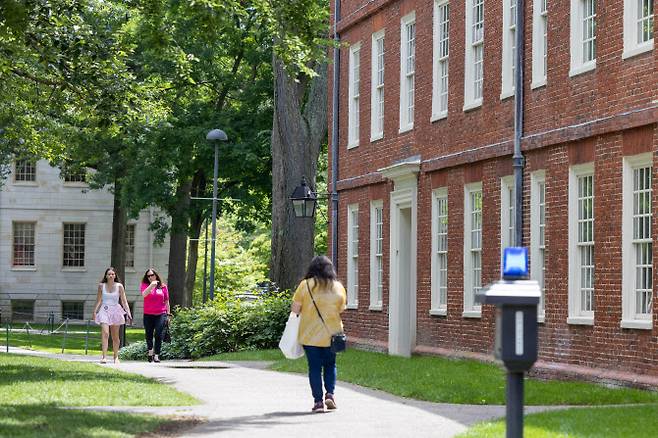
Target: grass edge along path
{"points": [[36, 394], [442, 380], [603, 421]]}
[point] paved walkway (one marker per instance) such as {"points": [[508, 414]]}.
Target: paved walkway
{"points": [[241, 400]]}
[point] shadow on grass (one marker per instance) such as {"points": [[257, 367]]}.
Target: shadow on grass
{"points": [[43, 420], [24, 373]]}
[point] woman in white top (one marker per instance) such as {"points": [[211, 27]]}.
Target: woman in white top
{"points": [[111, 306]]}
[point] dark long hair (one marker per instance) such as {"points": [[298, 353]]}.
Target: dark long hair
{"points": [[116, 276], [145, 278], [321, 270]]}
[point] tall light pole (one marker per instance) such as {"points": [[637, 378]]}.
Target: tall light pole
{"points": [[214, 136]]}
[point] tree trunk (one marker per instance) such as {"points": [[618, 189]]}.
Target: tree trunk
{"points": [[196, 222], [178, 248], [119, 222], [298, 131]]}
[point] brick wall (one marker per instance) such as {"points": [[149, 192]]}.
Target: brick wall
{"points": [[597, 116]]}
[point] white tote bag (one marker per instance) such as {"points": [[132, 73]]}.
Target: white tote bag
{"points": [[290, 347]]}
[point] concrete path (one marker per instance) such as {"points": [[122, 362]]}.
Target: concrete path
{"points": [[241, 400]]}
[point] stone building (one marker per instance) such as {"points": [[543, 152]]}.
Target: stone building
{"points": [[55, 243]]}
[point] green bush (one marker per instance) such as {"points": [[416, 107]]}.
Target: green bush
{"points": [[223, 325]]}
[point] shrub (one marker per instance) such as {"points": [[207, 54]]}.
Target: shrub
{"points": [[223, 325]]}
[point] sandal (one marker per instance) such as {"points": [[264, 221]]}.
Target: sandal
{"points": [[149, 357], [103, 360], [156, 359]]}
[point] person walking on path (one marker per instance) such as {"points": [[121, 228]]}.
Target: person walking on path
{"points": [[156, 311], [321, 286], [111, 311]]}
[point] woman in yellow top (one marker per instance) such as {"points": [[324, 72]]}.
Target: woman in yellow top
{"points": [[320, 285]]}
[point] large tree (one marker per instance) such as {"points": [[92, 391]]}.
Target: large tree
{"points": [[299, 129]]}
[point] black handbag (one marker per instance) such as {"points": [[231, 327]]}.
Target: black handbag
{"points": [[166, 335], [338, 340]]}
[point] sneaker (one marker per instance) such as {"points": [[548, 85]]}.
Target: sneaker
{"points": [[318, 407], [329, 401], [156, 359]]}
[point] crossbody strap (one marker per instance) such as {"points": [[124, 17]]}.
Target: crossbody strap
{"points": [[316, 307]]}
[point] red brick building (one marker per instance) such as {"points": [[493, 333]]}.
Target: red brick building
{"points": [[426, 130]]}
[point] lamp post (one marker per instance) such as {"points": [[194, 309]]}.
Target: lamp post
{"points": [[304, 200], [213, 137]]}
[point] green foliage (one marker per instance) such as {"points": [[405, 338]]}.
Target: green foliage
{"points": [[242, 258], [224, 325]]}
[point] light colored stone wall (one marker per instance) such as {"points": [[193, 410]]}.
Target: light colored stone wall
{"points": [[50, 202]]}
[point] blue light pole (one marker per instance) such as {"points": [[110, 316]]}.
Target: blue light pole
{"points": [[214, 136]]}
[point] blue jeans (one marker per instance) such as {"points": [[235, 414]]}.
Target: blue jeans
{"points": [[321, 360]]}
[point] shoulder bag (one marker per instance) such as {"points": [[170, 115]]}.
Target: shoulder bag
{"points": [[338, 340]]}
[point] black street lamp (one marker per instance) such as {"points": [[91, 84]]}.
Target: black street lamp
{"points": [[213, 137], [304, 200]]}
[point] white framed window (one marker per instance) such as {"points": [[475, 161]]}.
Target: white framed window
{"points": [[25, 170], [23, 244], [377, 87], [472, 249], [538, 235], [637, 242], [354, 95], [130, 246], [474, 56], [74, 246], [441, 40], [638, 27], [376, 254], [581, 244], [352, 256], [539, 42], [507, 213], [583, 36], [439, 297], [509, 48], [407, 71]]}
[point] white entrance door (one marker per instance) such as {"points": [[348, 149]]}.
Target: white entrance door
{"points": [[402, 309]]}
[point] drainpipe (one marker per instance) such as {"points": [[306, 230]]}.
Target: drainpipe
{"points": [[518, 123], [334, 138]]}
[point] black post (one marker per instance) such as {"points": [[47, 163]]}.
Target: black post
{"points": [[7, 337], [87, 337], [52, 321], [514, 408], [205, 265], [122, 336]]}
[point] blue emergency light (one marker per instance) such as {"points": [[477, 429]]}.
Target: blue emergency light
{"points": [[515, 263]]}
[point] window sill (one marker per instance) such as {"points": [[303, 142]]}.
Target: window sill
{"points": [[439, 116], [580, 320], [24, 268], [636, 324], [75, 185], [439, 312], [637, 50], [407, 128], [376, 137], [80, 269], [352, 145], [130, 270], [538, 84], [507, 94], [26, 183], [352, 306], [472, 314], [472, 105], [584, 68], [376, 308]]}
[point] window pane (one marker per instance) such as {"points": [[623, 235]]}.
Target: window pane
{"points": [[74, 245], [23, 244]]}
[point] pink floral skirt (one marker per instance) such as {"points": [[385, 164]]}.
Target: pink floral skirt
{"points": [[111, 315]]}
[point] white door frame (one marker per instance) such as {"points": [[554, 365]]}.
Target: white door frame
{"points": [[402, 303]]}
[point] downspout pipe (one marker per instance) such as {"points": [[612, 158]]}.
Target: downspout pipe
{"points": [[518, 159], [334, 137]]}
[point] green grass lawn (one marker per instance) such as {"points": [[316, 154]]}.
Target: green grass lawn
{"points": [[618, 421], [444, 380], [75, 338], [34, 391]]}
